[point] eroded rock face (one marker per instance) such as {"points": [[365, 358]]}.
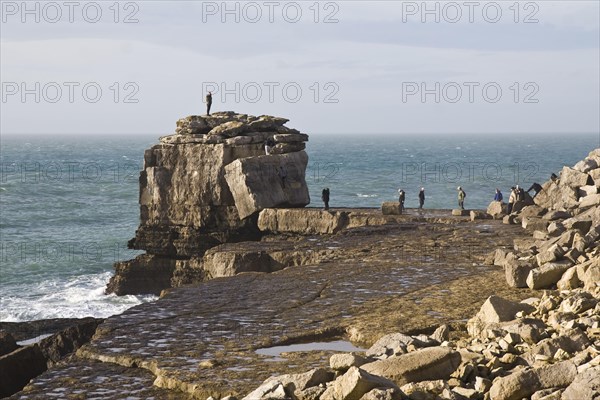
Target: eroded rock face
{"points": [[268, 181], [203, 187]]}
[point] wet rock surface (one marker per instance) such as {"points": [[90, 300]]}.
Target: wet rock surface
{"points": [[201, 340]]}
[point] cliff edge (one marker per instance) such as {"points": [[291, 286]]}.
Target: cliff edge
{"points": [[204, 186]]}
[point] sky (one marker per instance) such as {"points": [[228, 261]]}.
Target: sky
{"points": [[365, 67]]}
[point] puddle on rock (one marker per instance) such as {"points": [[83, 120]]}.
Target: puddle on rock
{"points": [[338, 345]]}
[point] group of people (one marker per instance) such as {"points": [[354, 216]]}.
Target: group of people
{"points": [[402, 197], [517, 194]]}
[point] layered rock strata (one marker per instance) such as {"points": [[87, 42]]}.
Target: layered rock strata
{"points": [[203, 187]]}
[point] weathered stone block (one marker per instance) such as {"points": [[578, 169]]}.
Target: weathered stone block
{"points": [[269, 181]]}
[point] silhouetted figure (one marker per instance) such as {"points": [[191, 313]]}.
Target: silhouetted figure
{"points": [[554, 177], [498, 196], [208, 102], [325, 197], [421, 198], [401, 198], [461, 197], [536, 187]]}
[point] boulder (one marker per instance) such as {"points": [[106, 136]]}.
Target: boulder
{"points": [[389, 345], [460, 213], [571, 341], [302, 221], [553, 253], [354, 384], [586, 165], [591, 277], [569, 280], [7, 343], [516, 272], [556, 214], [424, 364], [145, 274], [502, 256], [383, 394], [497, 209], [290, 138], [595, 175], [573, 178], [523, 383], [476, 214], [343, 361], [592, 200], [532, 211], [441, 334], [390, 208], [587, 190], [425, 390], [530, 330], [228, 129], [584, 386], [495, 310], [56, 347], [534, 224], [548, 274], [19, 367], [257, 183]]}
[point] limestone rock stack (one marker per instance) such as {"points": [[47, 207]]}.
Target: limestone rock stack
{"points": [[204, 186]]}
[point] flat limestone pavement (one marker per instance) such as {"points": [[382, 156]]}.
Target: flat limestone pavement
{"points": [[200, 340]]}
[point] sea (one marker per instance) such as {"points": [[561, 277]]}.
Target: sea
{"points": [[69, 204]]}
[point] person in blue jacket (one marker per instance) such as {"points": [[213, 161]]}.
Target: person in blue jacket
{"points": [[498, 195]]}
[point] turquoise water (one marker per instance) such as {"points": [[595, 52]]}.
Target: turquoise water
{"points": [[68, 205]]}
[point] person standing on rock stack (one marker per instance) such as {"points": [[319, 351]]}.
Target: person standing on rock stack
{"points": [[401, 198], [325, 197], [208, 102], [421, 198], [461, 197]]}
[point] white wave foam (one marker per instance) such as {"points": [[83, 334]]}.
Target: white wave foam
{"points": [[366, 195], [78, 297]]}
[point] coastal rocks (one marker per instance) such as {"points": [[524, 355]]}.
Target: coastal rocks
{"points": [[7, 343], [526, 382], [203, 187], [19, 364], [584, 386], [290, 386], [460, 213], [494, 310], [354, 384], [270, 181], [391, 208], [474, 214], [548, 274], [302, 221], [424, 364], [497, 209], [145, 274], [18, 367], [55, 347]]}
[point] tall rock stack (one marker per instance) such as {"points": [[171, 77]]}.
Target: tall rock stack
{"points": [[204, 186]]}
